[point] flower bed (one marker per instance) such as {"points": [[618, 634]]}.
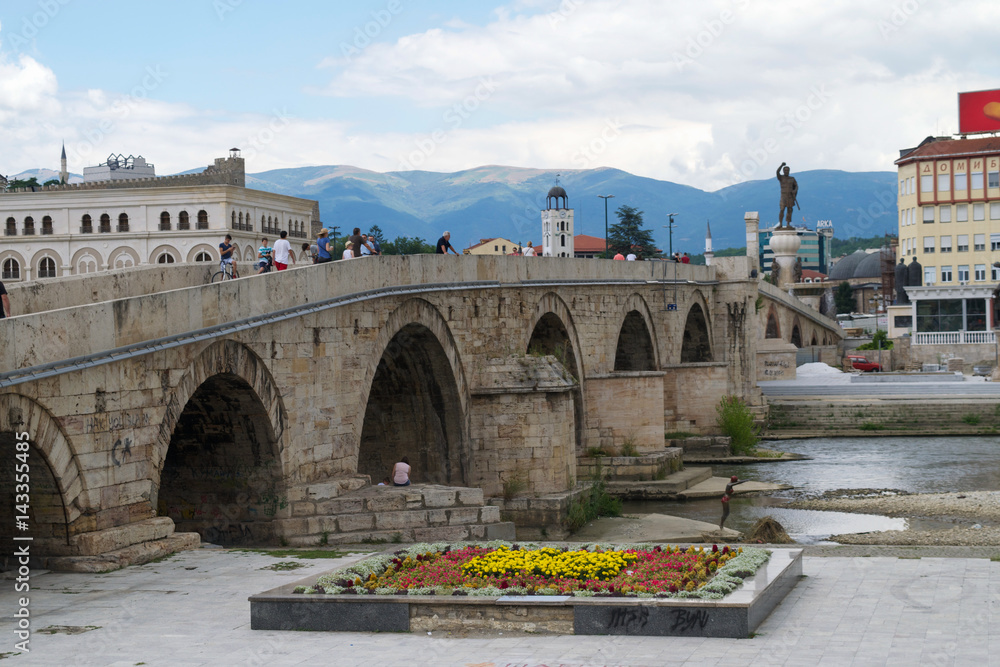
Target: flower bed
{"points": [[500, 568]]}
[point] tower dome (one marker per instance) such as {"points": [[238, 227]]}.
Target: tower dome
{"points": [[557, 192]]}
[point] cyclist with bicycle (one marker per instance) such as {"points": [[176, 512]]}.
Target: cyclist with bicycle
{"points": [[265, 254], [226, 253]]}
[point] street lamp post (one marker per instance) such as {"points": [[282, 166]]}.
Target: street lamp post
{"points": [[670, 227], [606, 198]]}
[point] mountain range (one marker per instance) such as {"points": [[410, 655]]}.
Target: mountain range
{"points": [[491, 201]]}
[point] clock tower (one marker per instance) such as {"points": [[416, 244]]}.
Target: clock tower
{"points": [[557, 224]]}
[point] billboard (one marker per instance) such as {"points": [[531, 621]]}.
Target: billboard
{"points": [[979, 111]]}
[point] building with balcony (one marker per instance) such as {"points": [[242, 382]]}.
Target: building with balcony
{"points": [[70, 229], [949, 221]]}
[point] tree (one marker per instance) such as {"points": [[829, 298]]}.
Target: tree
{"points": [[52, 181], [627, 235], [405, 245], [843, 298], [18, 183]]}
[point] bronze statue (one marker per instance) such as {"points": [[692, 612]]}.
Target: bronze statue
{"points": [[789, 195], [797, 271]]}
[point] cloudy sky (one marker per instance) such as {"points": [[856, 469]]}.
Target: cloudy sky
{"points": [[706, 93]]}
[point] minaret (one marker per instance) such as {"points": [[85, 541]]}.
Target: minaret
{"points": [[63, 171], [709, 255]]}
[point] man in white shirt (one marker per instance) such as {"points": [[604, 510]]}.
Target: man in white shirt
{"points": [[282, 251], [529, 251], [628, 258]]}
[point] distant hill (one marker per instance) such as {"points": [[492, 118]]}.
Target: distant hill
{"points": [[492, 201]]}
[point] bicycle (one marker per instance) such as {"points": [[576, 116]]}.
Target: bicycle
{"points": [[226, 273]]}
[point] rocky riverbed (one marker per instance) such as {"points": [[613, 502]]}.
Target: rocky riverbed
{"points": [[976, 514]]}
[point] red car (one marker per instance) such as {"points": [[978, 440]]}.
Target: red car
{"points": [[860, 363]]}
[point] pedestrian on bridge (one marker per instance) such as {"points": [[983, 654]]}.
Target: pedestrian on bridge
{"points": [[323, 247], [444, 245]]}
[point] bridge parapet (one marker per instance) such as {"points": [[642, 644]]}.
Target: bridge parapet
{"points": [[91, 329]]}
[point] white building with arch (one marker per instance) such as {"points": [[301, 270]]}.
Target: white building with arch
{"points": [[83, 228]]}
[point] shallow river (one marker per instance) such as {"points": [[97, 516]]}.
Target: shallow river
{"points": [[919, 465]]}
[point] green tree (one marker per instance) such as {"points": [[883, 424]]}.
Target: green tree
{"points": [[405, 245], [18, 183], [843, 298], [52, 181], [627, 235]]}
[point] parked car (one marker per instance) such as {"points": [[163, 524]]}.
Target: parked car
{"points": [[859, 362]]}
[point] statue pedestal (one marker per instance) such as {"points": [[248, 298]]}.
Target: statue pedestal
{"points": [[785, 248]]}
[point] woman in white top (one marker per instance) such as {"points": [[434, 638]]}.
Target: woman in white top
{"points": [[348, 253], [401, 472]]}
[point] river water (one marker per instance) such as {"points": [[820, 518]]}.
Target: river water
{"points": [[919, 465]]}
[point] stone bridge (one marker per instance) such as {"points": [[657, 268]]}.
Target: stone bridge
{"points": [[261, 410]]}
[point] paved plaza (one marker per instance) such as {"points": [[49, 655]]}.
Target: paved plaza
{"points": [[192, 609]]}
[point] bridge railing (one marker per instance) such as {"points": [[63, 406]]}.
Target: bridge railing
{"points": [[128, 325]]}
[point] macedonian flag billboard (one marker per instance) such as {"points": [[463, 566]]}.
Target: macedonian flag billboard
{"points": [[979, 111]]}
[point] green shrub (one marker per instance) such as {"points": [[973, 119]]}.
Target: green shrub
{"points": [[629, 448], [735, 420], [680, 435], [595, 503], [514, 485], [871, 426], [595, 452], [880, 337], [971, 419]]}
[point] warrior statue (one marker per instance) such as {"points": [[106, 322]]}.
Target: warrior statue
{"points": [[789, 195], [797, 271]]}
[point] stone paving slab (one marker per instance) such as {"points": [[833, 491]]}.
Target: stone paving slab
{"points": [[192, 610]]}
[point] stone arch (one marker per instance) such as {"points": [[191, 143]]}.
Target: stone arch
{"points": [[162, 250], [58, 489], [123, 257], [203, 247], [552, 324], [42, 255], [773, 328], [217, 461], [249, 254], [814, 340], [696, 344], [11, 255], [795, 338], [429, 423], [635, 347], [164, 221], [79, 255]]}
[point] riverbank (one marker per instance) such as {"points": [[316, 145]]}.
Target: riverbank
{"points": [[976, 513]]}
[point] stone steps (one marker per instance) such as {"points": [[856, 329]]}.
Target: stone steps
{"points": [[379, 514], [664, 489], [913, 416]]}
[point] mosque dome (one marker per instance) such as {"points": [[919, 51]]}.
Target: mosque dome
{"points": [[844, 269]]}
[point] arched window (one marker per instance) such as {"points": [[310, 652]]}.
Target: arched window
{"points": [[241, 221], [47, 225], [124, 261], [203, 257], [165, 258], [165, 222], [29, 226], [562, 240], [105, 223], [123, 222], [11, 269], [182, 220], [203, 219], [11, 228], [86, 264], [233, 224], [249, 226], [47, 268], [86, 225]]}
